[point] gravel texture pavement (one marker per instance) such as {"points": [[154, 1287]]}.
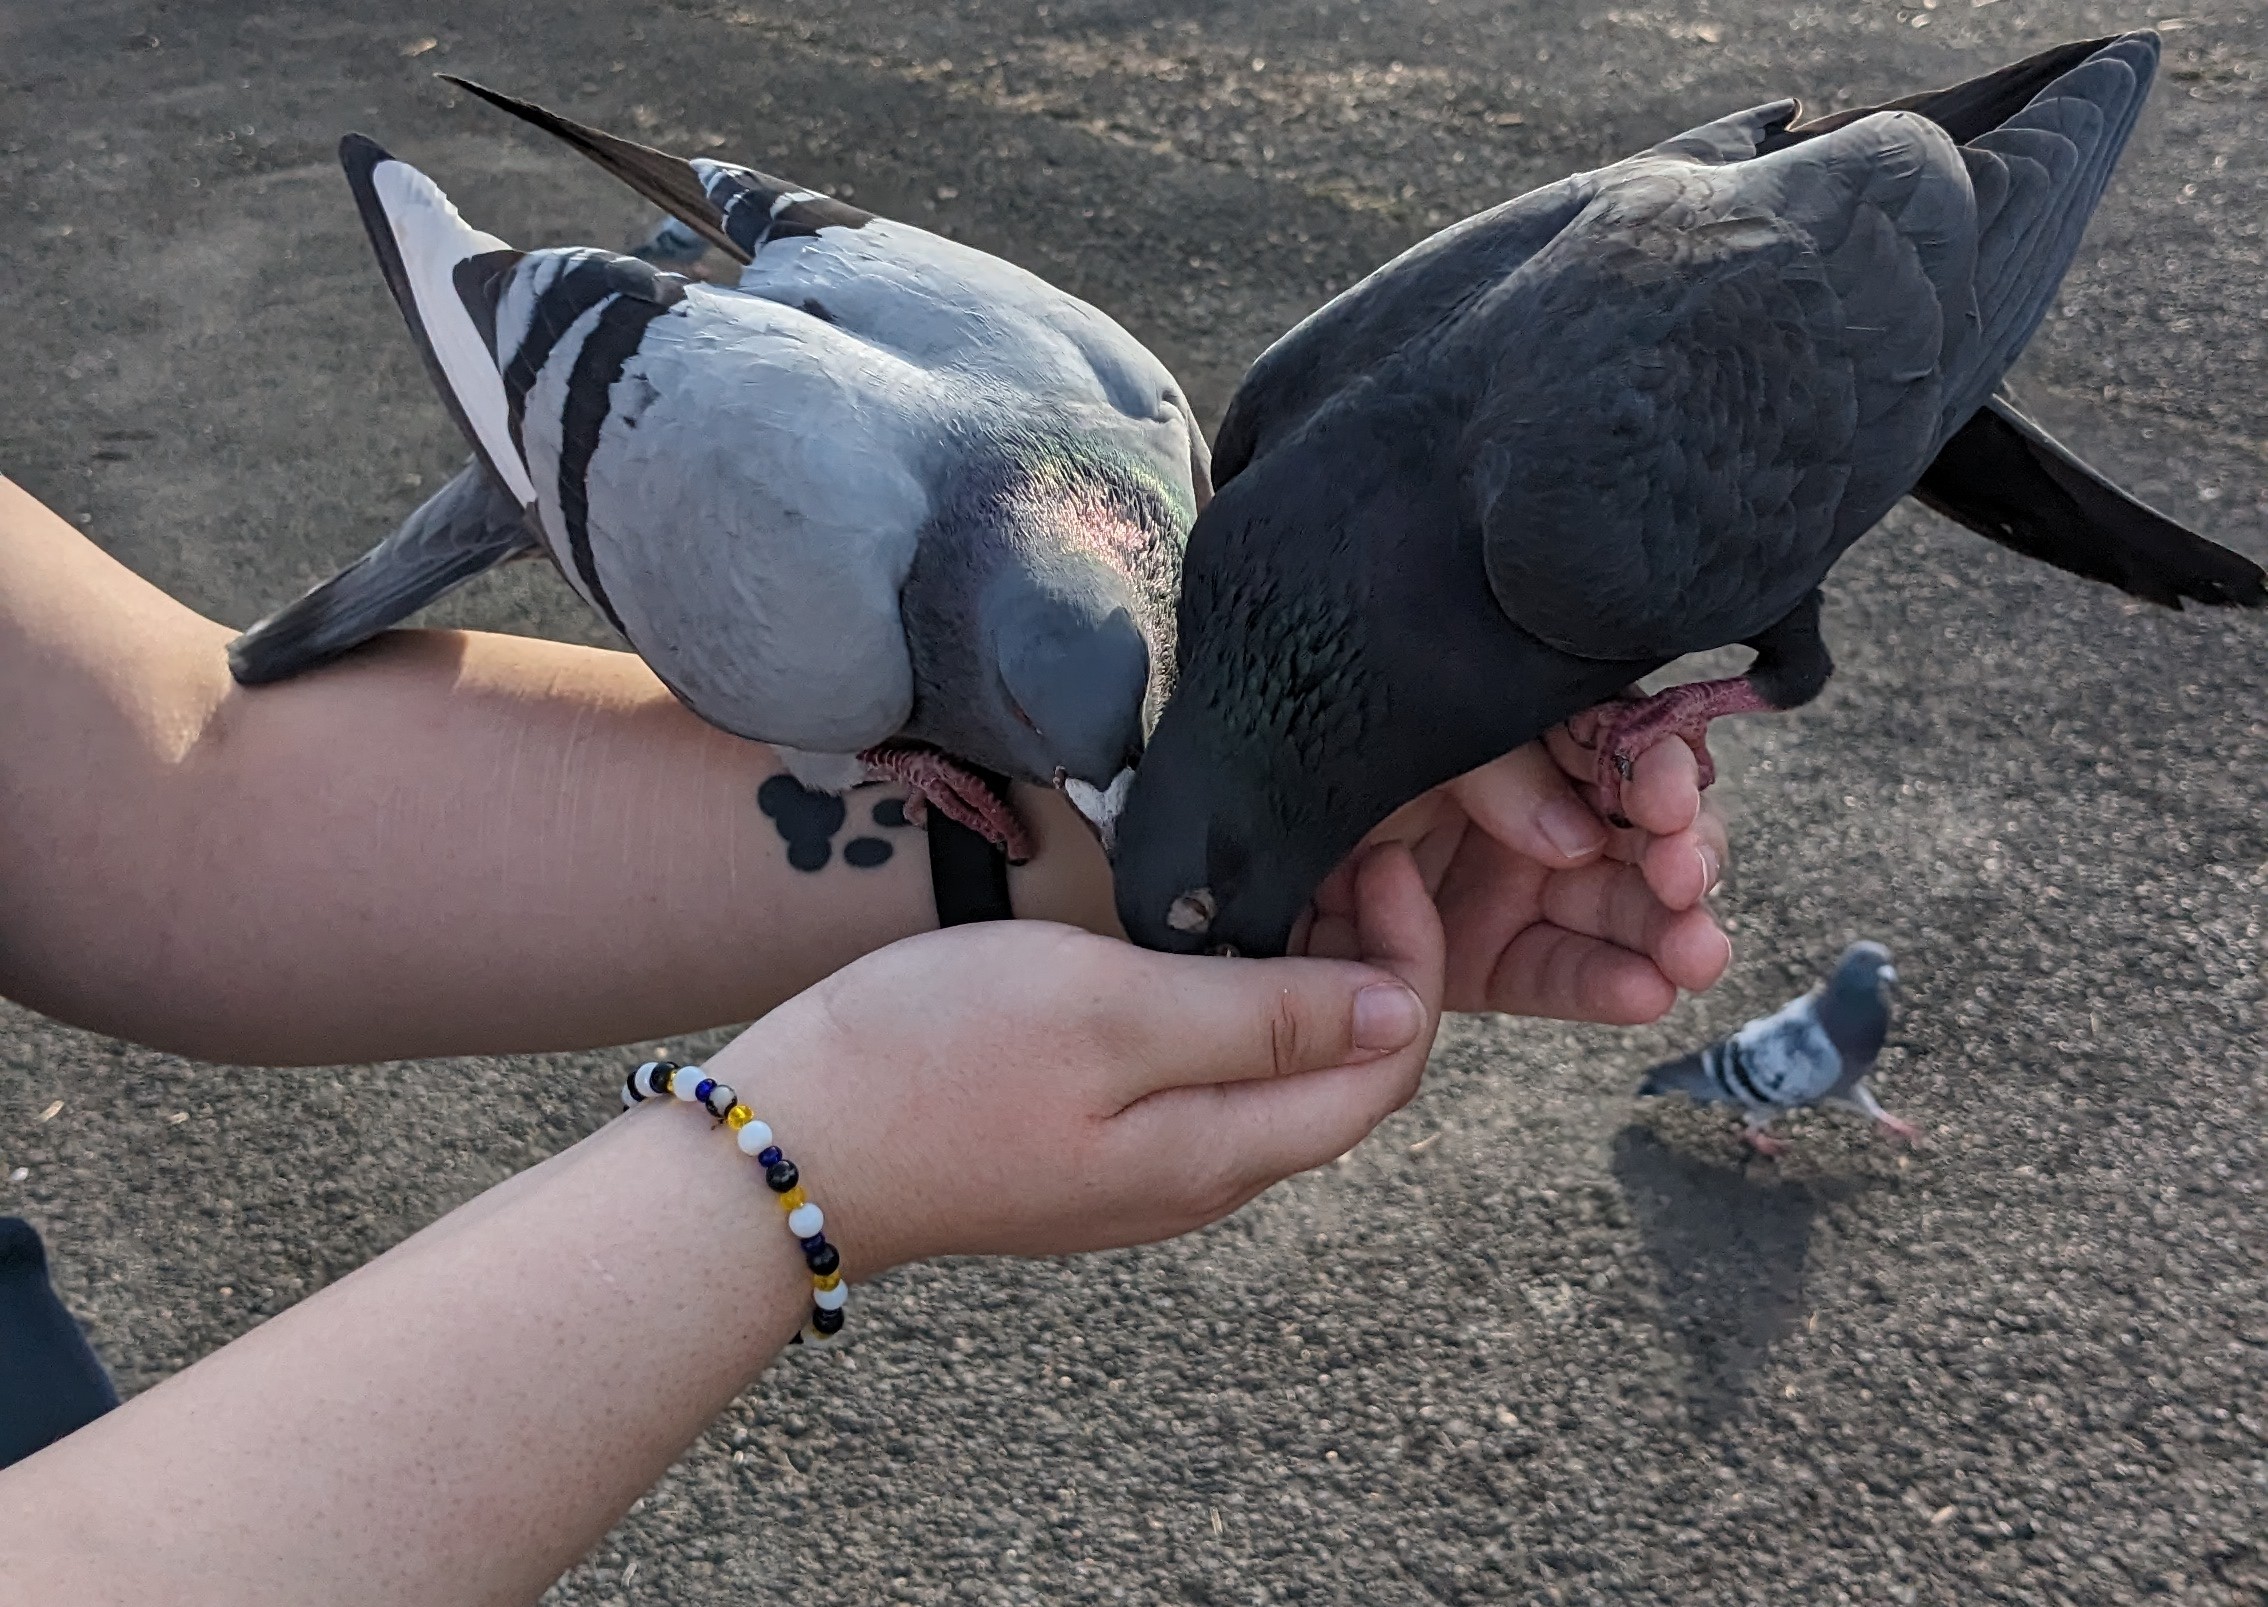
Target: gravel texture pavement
{"points": [[1532, 1341]]}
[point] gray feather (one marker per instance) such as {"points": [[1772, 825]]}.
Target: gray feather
{"points": [[469, 526], [1813, 1050], [886, 489]]}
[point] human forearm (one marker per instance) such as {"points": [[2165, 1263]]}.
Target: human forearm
{"points": [[460, 1420], [456, 1422], [454, 843]]}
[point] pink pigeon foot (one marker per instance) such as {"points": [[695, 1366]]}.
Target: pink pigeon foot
{"points": [[1763, 1143], [938, 781], [1896, 1131], [1622, 730]]}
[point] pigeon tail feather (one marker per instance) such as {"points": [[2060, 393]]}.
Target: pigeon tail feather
{"points": [[469, 526], [734, 208], [1687, 1075], [2011, 482]]}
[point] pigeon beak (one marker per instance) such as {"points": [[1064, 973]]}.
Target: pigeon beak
{"points": [[1193, 912], [1890, 975], [1098, 806]]}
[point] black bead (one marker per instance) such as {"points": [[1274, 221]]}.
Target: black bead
{"points": [[827, 1322], [823, 1260], [662, 1073], [781, 1176]]}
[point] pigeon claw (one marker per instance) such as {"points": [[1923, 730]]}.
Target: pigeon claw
{"points": [[1898, 1132], [937, 781], [1620, 731], [1764, 1143]]}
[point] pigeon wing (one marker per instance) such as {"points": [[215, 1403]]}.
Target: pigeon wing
{"points": [[928, 299], [742, 489], [423, 247], [1367, 326], [1784, 1060], [1728, 368]]}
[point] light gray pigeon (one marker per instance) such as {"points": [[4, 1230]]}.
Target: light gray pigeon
{"points": [[1636, 414], [1816, 1050], [889, 503]]}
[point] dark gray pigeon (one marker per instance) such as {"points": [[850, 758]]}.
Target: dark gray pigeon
{"points": [[1816, 1050], [1634, 415], [889, 503]]}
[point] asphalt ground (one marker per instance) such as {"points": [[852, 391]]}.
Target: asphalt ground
{"points": [[1532, 1341]]}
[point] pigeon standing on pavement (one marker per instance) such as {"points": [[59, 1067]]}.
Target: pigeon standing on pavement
{"points": [[889, 503], [1816, 1050], [1634, 415]]}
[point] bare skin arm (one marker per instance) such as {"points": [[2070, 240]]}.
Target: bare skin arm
{"points": [[459, 843], [461, 1419], [456, 843]]}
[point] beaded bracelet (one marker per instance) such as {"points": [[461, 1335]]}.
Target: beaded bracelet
{"points": [[658, 1079]]}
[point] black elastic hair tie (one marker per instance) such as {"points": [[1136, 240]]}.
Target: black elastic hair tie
{"points": [[968, 875]]}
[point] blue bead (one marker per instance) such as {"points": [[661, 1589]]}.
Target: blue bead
{"points": [[814, 1244], [770, 1157], [702, 1089]]}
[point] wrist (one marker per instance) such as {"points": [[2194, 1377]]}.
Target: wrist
{"points": [[1067, 878], [784, 1070]]}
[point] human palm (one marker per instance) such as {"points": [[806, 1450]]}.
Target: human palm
{"points": [[1546, 910]]}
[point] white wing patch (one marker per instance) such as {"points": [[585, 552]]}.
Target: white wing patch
{"points": [[433, 239]]}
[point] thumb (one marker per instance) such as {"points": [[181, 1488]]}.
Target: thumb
{"points": [[1242, 1136], [1210, 1020]]}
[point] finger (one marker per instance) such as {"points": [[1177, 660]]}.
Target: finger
{"points": [[1567, 976], [1663, 794], [1489, 896], [1399, 926], [1526, 802], [1613, 904], [1245, 1135], [1684, 869], [1237, 1019], [1223, 1143]]}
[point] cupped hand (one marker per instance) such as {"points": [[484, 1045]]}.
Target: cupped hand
{"points": [[1547, 911], [1022, 1088]]}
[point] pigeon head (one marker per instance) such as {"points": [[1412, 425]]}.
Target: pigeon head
{"points": [[1066, 556], [1863, 972]]}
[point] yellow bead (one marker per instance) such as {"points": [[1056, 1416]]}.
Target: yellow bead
{"points": [[793, 1198], [833, 1280], [738, 1117]]}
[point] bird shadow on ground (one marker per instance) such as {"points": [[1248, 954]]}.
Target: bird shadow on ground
{"points": [[1731, 1244]]}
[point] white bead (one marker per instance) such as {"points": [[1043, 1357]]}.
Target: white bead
{"points": [[720, 1100], [831, 1299], [755, 1138], [685, 1080], [804, 1221], [628, 1099], [643, 1078]]}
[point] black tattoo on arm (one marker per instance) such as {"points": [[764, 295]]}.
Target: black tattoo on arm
{"points": [[808, 823]]}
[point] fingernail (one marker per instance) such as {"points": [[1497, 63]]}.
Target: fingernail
{"points": [[1711, 872], [1387, 1015], [1572, 828]]}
